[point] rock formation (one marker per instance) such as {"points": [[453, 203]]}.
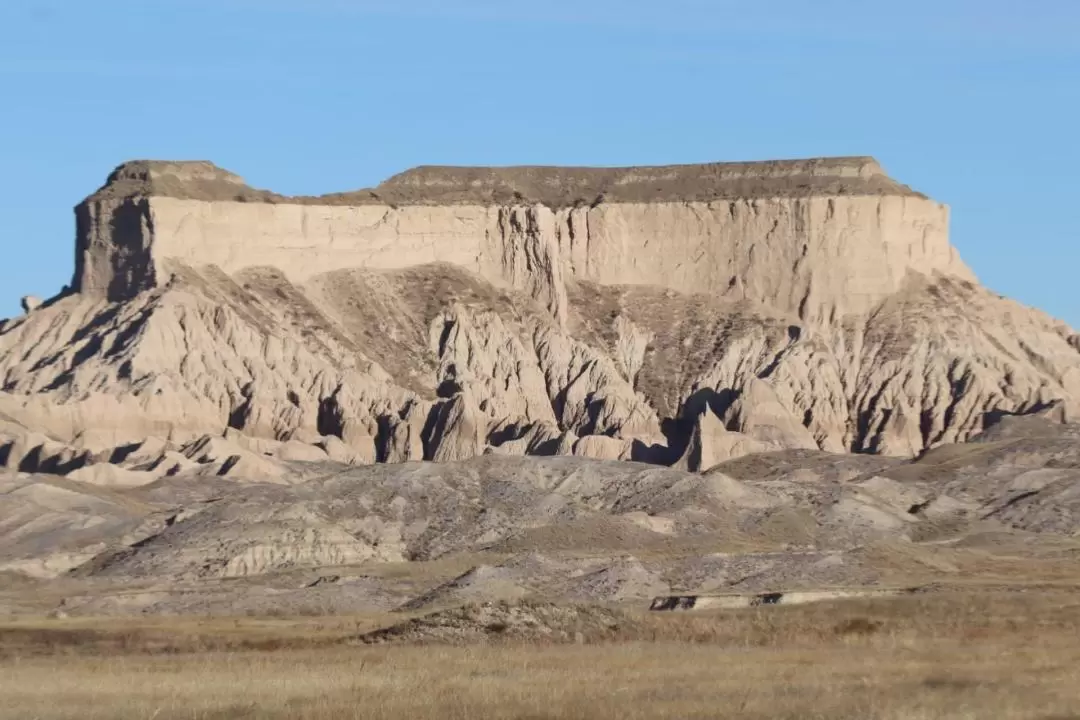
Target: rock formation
{"points": [[673, 315], [315, 536], [819, 238], [30, 303]]}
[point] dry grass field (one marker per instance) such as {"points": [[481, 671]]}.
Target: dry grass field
{"points": [[966, 655]]}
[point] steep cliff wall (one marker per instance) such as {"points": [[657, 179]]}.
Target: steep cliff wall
{"points": [[676, 315], [820, 239]]}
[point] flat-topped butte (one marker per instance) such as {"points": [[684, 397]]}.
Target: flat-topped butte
{"points": [[818, 239], [554, 187]]}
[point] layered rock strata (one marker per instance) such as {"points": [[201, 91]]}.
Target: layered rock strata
{"points": [[680, 315], [817, 238]]}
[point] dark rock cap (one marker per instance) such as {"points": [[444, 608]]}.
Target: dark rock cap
{"points": [[551, 186]]}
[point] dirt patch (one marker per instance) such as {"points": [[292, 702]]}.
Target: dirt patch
{"points": [[502, 621]]}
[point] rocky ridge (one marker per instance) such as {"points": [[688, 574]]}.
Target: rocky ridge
{"points": [[317, 536], [624, 383], [527, 348]]}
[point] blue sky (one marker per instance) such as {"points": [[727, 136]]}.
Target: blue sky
{"points": [[973, 102]]}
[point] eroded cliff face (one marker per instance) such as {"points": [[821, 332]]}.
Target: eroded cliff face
{"points": [[817, 253], [451, 313]]}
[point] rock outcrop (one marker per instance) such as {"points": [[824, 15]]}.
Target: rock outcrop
{"points": [[679, 315], [817, 238], [30, 303], [314, 536]]}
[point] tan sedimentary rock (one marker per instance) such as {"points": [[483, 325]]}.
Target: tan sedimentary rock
{"points": [[820, 239], [683, 314], [711, 443], [602, 447], [297, 451], [29, 451], [107, 475], [231, 460], [458, 430], [336, 449], [170, 463], [758, 413]]}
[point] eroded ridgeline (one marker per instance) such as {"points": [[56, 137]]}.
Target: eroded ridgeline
{"points": [[815, 238]]}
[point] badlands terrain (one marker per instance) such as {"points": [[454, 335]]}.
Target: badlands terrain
{"points": [[505, 406]]}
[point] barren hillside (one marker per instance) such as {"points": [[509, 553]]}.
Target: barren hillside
{"points": [[243, 385]]}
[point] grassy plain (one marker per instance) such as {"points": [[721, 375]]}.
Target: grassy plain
{"points": [[986, 654]]}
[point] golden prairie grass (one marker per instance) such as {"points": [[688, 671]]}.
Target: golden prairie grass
{"points": [[936, 656]]}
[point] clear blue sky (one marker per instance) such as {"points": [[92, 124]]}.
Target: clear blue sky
{"points": [[973, 101]]}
